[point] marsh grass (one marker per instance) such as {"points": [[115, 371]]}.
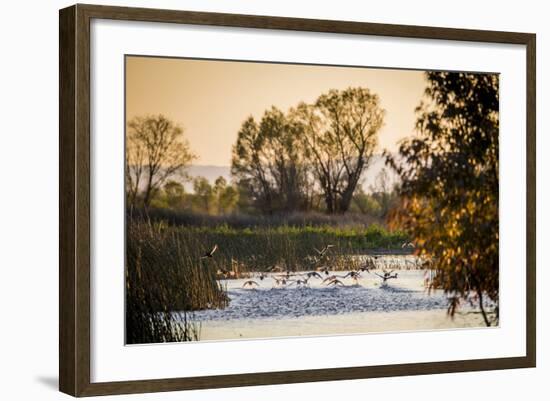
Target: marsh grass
{"points": [[164, 277], [242, 220]]}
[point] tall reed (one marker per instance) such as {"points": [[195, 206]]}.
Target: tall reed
{"points": [[165, 281]]}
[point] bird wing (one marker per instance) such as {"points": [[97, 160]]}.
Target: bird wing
{"points": [[214, 249]]}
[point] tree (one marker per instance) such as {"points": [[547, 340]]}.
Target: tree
{"points": [[449, 189], [226, 196], [365, 203], [339, 135], [156, 150], [382, 192], [204, 194], [267, 159], [247, 166], [174, 193]]}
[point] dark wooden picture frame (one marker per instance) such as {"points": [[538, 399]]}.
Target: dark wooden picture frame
{"points": [[74, 204]]}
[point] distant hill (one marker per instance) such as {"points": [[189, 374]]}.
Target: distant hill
{"points": [[213, 172]]}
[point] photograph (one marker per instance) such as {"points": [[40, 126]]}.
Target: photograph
{"points": [[270, 200]]}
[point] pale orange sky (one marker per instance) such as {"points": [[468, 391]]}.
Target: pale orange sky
{"points": [[211, 99]]}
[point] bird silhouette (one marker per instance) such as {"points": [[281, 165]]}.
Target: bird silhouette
{"points": [[210, 253], [353, 274], [335, 282], [323, 269], [332, 278], [386, 276], [314, 274], [364, 269], [283, 281], [250, 283], [301, 282], [324, 250]]}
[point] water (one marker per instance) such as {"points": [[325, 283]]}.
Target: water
{"points": [[368, 294], [366, 305]]}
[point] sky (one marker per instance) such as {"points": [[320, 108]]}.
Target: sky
{"points": [[210, 99]]}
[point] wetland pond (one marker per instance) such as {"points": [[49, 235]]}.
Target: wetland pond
{"points": [[269, 308]]}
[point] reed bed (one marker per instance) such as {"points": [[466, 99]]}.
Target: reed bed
{"points": [[287, 247], [165, 282], [242, 220]]}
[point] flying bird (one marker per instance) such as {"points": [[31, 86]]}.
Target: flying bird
{"points": [[323, 269], [324, 250], [283, 281], [335, 282], [364, 269], [301, 282], [314, 274], [353, 274], [332, 278], [386, 276], [211, 253], [250, 283]]}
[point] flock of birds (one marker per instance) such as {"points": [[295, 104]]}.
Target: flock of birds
{"points": [[301, 279]]}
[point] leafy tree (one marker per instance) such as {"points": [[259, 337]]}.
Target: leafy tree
{"points": [[156, 150], [227, 196], [204, 194], [247, 165], [365, 203], [450, 186], [267, 159], [174, 192], [339, 135]]}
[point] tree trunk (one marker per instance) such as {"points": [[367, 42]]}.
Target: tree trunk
{"points": [[330, 201], [483, 313], [345, 200]]}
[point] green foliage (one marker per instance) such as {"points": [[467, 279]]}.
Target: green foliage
{"points": [[218, 199], [379, 201], [291, 247], [450, 187]]}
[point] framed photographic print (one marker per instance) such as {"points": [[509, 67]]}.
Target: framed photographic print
{"points": [[250, 200]]}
